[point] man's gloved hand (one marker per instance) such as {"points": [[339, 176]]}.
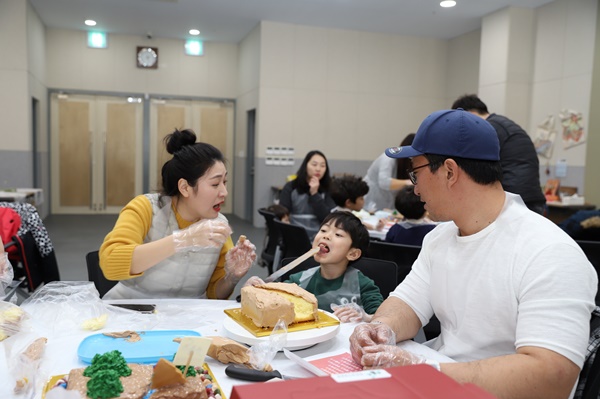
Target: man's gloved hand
{"points": [[239, 259], [370, 334], [383, 356], [207, 233], [350, 312]]}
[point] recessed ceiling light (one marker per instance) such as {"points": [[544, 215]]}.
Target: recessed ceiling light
{"points": [[194, 32], [448, 3], [90, 22]]}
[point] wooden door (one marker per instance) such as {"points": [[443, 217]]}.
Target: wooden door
{"points": [[211, 121], [96, 153]]}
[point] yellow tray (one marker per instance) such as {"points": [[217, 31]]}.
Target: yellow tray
{"points": [[54, 379], [323, 320]]}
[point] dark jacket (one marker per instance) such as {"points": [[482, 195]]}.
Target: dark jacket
{"points": [[519, 160]]}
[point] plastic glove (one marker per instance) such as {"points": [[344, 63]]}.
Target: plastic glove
{"points": [[383, 356], [350, 312], [239, 259], [262, 354], [207, 233], [254, 280], [370, 334]]}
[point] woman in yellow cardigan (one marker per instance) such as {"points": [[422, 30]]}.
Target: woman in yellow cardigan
{"points": [[176, 243]]}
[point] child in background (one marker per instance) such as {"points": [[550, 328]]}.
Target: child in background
{"points": [[348, 193], [281, 212], [338, 286], [414, 225]]}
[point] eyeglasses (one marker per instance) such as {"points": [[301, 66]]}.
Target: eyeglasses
{"points": [[411, 173]]}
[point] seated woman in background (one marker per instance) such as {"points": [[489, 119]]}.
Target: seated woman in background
{"points": [[307, 197], [414, 225], [177, 243]]}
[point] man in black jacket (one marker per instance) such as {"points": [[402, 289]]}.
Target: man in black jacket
{"points": [[519, 160]]}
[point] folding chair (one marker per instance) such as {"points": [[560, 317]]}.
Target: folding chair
{"points": [[31, 252], [403, 255], [271, 252], [592, 251], [294, 239], [103, 285]]}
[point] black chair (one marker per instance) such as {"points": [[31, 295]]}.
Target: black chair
{"points": [[403, 255], [294, 239], [588, 386], [382, 272], [271, 253], [592, 251], [103, 285]]}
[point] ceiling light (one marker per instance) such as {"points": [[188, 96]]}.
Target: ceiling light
{"points": [[194, 32], [448, 3], [90, 22]]}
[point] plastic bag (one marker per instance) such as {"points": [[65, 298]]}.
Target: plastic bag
{"points": [[11, 319], [262, 354], [6, 273], [25, 363], [65, 307]]}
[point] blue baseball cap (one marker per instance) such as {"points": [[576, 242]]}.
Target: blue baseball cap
{"points": [[454, 133]]}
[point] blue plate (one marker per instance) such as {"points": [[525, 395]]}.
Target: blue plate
{"points": [[152, 346]]}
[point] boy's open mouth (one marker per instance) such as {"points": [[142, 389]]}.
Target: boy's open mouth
{"points": [[323, 249]]}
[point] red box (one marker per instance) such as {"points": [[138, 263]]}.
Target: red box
{"points": [[409, 382]]}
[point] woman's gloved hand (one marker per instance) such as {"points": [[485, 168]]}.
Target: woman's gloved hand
{"points": [[370, 334], [207, 233], [239, 259], [383, 356], [350, 312]]}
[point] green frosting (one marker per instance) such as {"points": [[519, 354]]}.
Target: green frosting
{"points": [[104, 384], [104, 373], [191, 371]]}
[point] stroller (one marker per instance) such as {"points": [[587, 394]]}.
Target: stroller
{"points": [[28, 246]]}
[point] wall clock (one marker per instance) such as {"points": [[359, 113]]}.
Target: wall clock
{"points": [[147, 57]]}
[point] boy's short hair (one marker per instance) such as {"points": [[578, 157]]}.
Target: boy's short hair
{"points": [[347, 187], [280, 211], [353, 226], [409, 204]]}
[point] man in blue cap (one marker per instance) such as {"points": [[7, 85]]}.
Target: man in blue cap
{"points": [[513, 292]]}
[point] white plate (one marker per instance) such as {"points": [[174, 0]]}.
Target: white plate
{"points": [[295, 340]]}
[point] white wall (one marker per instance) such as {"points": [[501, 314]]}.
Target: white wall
{"points": [[564, 52], [72, 65], [463, 66], [247, 99], [347, 93], [14, 99]]}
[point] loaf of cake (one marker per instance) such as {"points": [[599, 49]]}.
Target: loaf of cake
{"points": [[266, 304]]}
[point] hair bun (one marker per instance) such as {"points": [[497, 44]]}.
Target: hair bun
{"points": [[178, 139]]}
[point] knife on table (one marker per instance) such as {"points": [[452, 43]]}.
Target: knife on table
{"points": [[244, 373], [291, 265]]}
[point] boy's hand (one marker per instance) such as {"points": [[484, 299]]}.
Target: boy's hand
{"points": [[350, 313]]}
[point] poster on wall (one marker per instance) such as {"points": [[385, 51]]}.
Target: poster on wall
{"points": [[545, 137], [572, 123]]}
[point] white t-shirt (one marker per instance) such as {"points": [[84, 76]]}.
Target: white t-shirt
{"points": [[521, 281]]}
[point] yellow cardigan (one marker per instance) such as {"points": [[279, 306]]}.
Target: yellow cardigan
{"points": [[132, 226]]}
